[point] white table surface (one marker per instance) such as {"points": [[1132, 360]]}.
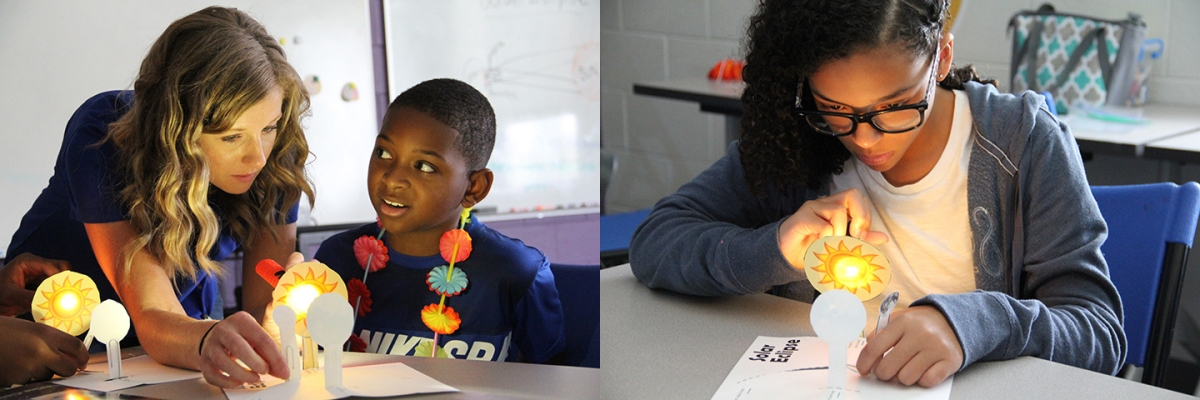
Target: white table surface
{"points": [[475, 379], [1165, 122], [1182, 148], [662, 345], [1115, 138]]}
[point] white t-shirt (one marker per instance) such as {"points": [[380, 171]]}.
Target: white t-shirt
{"points": [[929, 244]]}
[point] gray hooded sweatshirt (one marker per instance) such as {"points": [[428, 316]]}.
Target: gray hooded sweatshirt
{"points": [[1043, 286]]}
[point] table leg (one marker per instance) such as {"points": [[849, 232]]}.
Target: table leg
{"points": [[1170, 171]]}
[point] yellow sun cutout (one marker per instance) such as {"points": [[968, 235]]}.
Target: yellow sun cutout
{"points": [[847, 263], [65, 301], [301, 284]]}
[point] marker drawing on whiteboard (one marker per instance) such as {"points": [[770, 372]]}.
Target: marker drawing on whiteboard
{"points": [[571, 70]]}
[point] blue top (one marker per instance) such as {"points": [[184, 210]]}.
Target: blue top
{"points": [[1044, 288], [85, 189], [510, 300]]}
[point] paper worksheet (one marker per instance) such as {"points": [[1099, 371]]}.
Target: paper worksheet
{"points": [[140, 370], [798, 368], [382, 380]]}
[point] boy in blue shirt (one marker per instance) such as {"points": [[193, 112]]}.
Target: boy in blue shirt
{"points": [[428, 165]]}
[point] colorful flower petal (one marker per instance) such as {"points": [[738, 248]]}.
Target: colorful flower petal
{"points": [[423, 348], [451, 238], [357, 289], [445, 283], [368, 247], [465, 217], [443, 320], [357, 344]]}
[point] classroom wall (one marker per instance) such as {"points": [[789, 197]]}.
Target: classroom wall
{"points": [[661, 144], [58, 54]]}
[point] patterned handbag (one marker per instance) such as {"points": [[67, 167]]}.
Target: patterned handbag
{"points": [[1079, 60]]}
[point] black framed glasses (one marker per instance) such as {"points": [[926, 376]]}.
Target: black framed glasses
{"points": [[898, 119]]}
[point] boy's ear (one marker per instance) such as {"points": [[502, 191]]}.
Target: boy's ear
{"points": [[479, 183]]}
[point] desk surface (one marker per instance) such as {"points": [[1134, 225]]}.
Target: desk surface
{"points": [[1182, 148], [713, 96], [1165, 122], [1092, 135], [475, 380], [662, 345]]}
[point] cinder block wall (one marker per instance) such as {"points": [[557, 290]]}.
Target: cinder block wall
{"points": [[661, 144]]}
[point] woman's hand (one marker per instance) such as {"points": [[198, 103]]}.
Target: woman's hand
{"points": [[917, 347], [19, 272], [35, 352], [827, 216], [239, 338]]}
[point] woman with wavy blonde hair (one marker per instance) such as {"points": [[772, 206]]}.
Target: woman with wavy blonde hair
{"points": [[153, 186]]}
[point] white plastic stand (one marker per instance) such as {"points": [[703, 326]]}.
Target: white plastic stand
{"points": [[286, 319], [838, 318], [110, 324], [330, 320]]}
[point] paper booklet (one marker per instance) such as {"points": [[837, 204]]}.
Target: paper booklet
{"points": [[798, 368]]}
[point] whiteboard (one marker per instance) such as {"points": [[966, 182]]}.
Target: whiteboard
{"points": [[56, 54], [538, 63]]}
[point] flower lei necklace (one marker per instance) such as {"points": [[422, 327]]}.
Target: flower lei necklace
{"points": [[445, 280]]}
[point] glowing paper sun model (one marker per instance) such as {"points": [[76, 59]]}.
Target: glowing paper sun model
{"points": [[301, 284], [65, 301], [847, 263]]}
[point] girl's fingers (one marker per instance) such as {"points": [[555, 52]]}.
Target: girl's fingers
{"points": [[875, 349], [875, 238], [859, 210], [831, 218], [855, 218], [937, 373], [916, 367]]}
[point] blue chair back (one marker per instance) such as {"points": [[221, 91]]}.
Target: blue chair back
{"points": [[1150, 230], [579, 291], [616, 231]]}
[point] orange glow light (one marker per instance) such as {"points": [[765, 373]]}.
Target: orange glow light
{"points": [[65, 301], [301, 296], [301, 284], [847, 268], [858, 268]]}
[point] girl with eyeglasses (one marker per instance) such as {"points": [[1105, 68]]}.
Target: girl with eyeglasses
{"points": [[856, 123]]}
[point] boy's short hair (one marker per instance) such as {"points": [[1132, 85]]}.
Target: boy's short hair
{"points": [[459, 106]]}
